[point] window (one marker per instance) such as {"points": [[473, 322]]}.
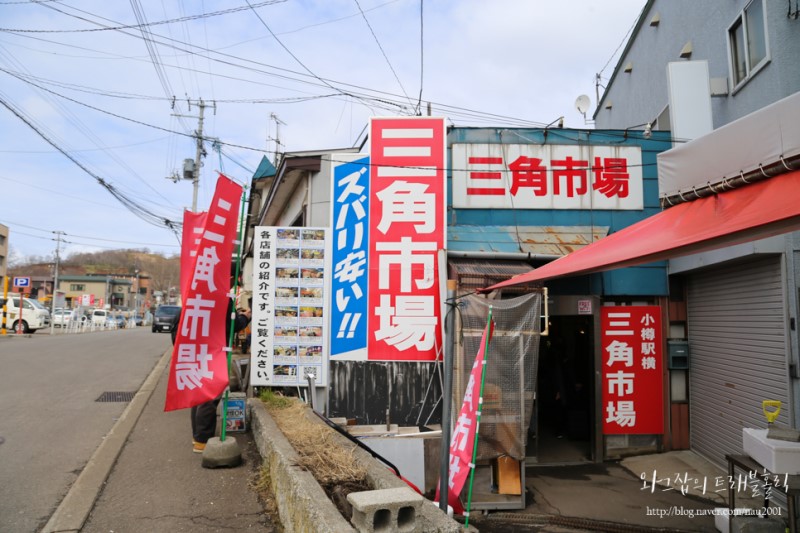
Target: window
{"points": [[77, 287], [747, 39]]}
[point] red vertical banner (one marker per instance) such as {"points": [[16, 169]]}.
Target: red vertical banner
{"points": [[462, 444], [633, 397], [199, 367], [193, 226], [407, 216]]}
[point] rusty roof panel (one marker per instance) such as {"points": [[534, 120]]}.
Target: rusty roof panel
{"points": [[549, 240], [478, 273]]}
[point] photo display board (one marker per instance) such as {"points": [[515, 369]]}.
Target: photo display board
{"points": [[290, 299]]}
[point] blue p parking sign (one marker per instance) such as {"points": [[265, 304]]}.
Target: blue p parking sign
{"points": [[22, 282]]}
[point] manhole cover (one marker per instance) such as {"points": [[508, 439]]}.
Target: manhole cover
{"points": [[116, 397]]}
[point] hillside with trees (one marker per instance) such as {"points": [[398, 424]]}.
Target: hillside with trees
{"points": [[164, 272]]}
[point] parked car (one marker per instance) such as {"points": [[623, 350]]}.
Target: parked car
{"points": [[164, 316], [119, 321], [61, 318], [34, 314], [122, 310], [100, 317]]}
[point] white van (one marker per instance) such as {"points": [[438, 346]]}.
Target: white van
{"points": [[99, 317], [34, 314]]}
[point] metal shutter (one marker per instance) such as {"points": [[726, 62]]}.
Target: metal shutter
{"points": [[738, 356]]}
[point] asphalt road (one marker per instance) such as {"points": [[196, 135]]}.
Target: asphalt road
{"points": [[51, 421]]}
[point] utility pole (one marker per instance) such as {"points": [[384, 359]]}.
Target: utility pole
{"points": [[199, 150], [55, 284], [277, 138]]}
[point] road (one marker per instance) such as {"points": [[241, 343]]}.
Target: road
{"points": [[51, 421]]}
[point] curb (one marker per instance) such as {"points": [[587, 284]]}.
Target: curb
{"points": [[74, 509], [302, 504]]}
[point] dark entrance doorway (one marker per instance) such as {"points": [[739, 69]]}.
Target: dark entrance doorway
{"points": [[562, 422]]}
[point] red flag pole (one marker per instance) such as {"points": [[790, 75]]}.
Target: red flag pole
{"points": [[478, 423], [234, 294]]}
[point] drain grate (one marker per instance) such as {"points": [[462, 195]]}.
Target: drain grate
{"points": [[116, 397]]}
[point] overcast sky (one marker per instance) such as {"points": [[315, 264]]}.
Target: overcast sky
{"points": [[89, 132]]}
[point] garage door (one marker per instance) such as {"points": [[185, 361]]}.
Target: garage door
{"points": [[738, 353]]}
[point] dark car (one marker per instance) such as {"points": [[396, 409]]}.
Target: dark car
{"points": [[164, 316]]}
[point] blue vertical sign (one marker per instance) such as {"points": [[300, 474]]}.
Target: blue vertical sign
{"points": [[348, 326]]}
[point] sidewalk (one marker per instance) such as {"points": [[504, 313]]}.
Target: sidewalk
{"points": [[612, 497], [144, 477], [155, 482]]}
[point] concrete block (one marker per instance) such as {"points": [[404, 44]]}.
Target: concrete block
{"points": [[755, 524], [219, 453], [726, 523], [376, 511]]}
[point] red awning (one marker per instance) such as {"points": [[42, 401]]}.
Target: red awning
{"points": [[763, 209]]}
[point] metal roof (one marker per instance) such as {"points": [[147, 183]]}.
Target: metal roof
{"points": [[542, 240]]}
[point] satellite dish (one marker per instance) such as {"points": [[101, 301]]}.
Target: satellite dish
{"points": [[582, 104]]}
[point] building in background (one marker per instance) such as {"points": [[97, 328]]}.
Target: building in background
{"points": [[110, 291], [723, 77]]}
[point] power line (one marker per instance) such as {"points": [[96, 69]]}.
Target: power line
{"points": [[297, 59], [624, 40], [396, 77], [141, 25], [14, 224], [133, 207], [453, 111]]}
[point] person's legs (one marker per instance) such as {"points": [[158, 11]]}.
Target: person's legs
{"points": [[204, 423]]}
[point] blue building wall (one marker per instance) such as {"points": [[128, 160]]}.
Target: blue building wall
{"points": [[647, 280]]}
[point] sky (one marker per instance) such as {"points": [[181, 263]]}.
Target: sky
{"points": [[99, 100]]}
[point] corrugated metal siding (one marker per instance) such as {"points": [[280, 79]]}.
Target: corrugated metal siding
{"points": [[738, 353]]}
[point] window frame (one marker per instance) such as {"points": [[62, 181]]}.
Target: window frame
{"points": [[741, 22]]}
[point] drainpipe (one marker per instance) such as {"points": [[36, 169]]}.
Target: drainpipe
{"points": [[447, 393]]}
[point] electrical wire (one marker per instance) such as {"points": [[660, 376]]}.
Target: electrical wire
{"points": [[297, 59], [622, 42], [89, 133], [141, 25], [553, 131], [386, 99], [135, 208], [383, 52], [17, 232]]}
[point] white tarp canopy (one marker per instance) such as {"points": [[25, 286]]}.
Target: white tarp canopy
{"points": [[760, 138]]}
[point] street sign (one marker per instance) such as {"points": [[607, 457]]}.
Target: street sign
{"points": [[22, 282]]}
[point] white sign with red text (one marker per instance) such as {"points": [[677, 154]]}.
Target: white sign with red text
{"points": [[533, 176], [407, 229]]}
